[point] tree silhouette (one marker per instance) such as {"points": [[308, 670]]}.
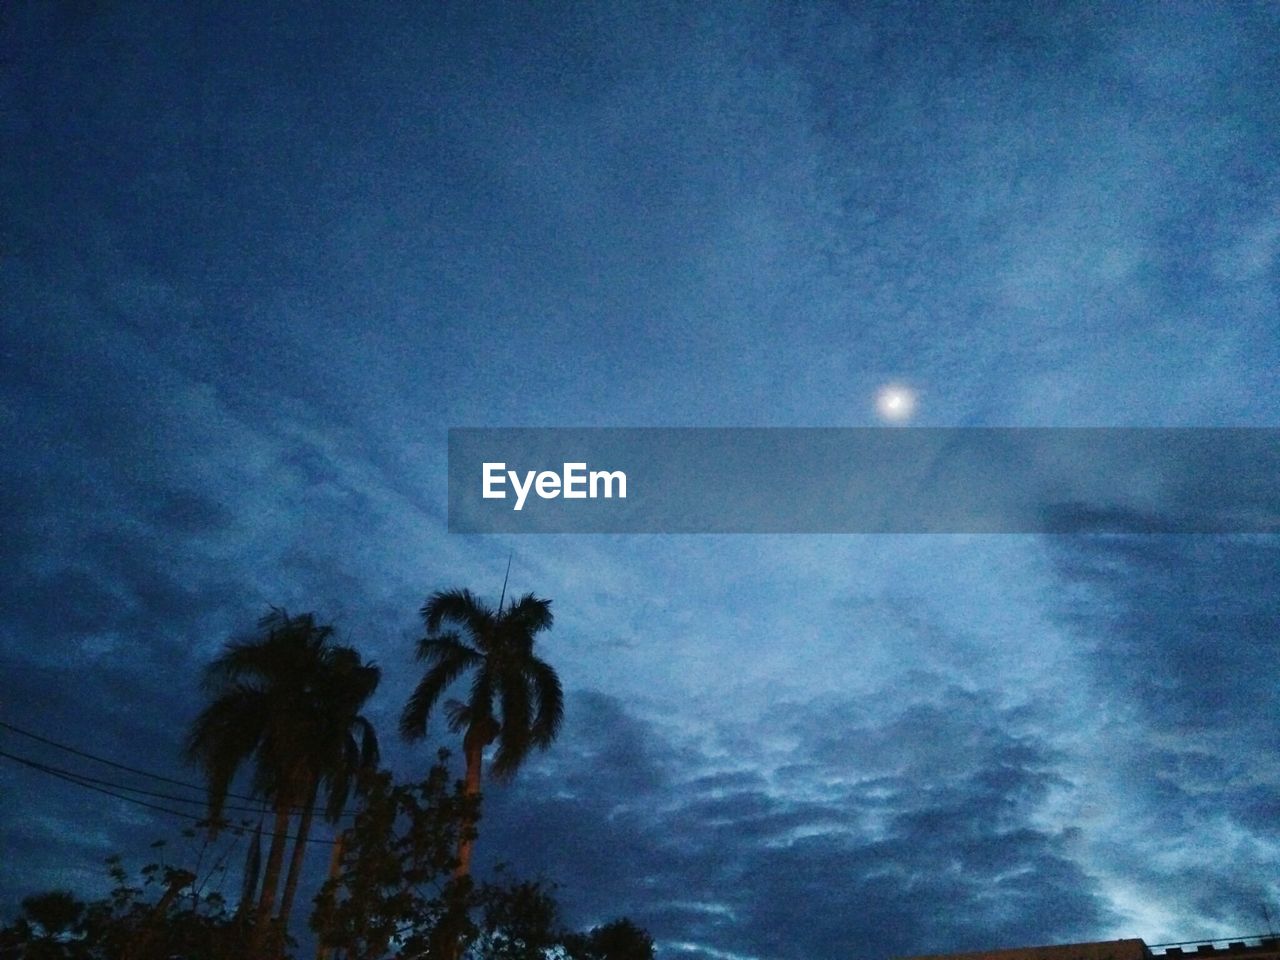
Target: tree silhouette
{"points": [[389, 898], [515, 696], [388, 887], [287, 702], [620, 939]]}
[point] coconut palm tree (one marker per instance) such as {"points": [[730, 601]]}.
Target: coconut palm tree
{"points": [[515, 696], [344, 744], [286, 702]]}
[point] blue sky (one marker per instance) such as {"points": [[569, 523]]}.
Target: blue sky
{"points": [[257, 261]]}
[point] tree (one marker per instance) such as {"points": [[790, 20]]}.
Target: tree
{"points": [[391, 897], [620, 939], [146, 919], [344, 745], [518, 921], [390, 891], [285, 701], [515, 696], [51, 928]]}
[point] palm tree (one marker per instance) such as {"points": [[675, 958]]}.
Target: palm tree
{"points": [[286, 701], [515, 696], [344, 744]]}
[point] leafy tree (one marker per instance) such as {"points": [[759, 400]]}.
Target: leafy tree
{"points": [[285, 701], [515, 696], [51, 926], [149, 919], [392, 896], [519, 921], [391, 892], [618, 940]]}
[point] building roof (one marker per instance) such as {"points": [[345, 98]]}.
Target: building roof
{"points": [[1133, 949], [1253, 947]]}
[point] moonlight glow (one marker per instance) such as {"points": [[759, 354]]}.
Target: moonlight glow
{"points": [[896, 402]]}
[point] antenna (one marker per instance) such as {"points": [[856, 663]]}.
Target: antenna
{"points": [[504, 587], [1267, 915]]}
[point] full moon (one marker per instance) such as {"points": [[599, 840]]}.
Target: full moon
{"points": [[896, 402]]}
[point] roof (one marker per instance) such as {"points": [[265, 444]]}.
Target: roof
{"points": [[1132, 949]]}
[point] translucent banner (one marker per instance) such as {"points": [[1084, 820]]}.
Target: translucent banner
{"points": [[864, 480]]}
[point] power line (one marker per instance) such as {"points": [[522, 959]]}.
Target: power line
{"points": [[142, 773], [79, 782], [72, 778], [260, 811], [104, 760]]}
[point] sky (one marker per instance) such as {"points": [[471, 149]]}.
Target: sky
{"points": [[257, 259]]}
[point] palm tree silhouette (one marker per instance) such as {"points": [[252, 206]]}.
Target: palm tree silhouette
{"points": [[515, 696], [287, 701]]}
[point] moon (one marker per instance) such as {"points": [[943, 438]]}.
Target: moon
{"points": [[896, 402]]}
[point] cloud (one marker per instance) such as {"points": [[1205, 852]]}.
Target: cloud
{"points": [[1178, 633], [1183, 626], [904, 830]]}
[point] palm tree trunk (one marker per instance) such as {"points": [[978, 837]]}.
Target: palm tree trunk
{"points": [[252, 872], [479, 736], [271, 877], [299, 851], [335, 868], [466, 839]]}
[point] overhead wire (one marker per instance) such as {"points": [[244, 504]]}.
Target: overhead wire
{"points": [[76, 751], [200, 801], [81, 781]]}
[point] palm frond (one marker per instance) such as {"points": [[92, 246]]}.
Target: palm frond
{"points": [[513, 746], [370, 752], [287, 703], [461, 607], [531, 614], [458, 714], [507, 678], [438, 646], [480, 703], [451, 661], [226, 734], [549, 697], [514, 738]]}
